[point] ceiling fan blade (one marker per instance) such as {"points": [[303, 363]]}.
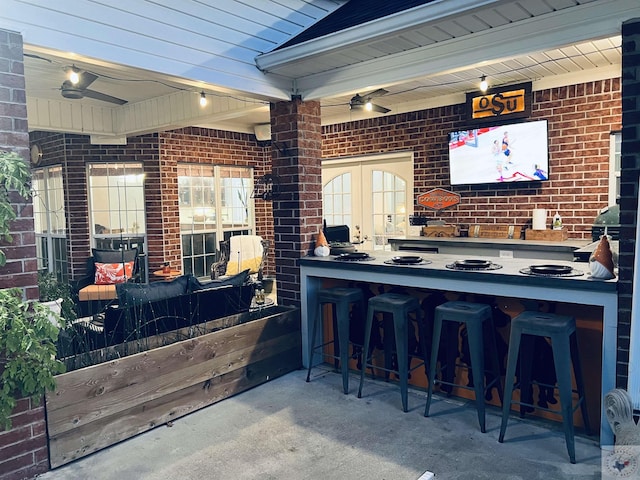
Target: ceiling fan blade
{"points": [[85, 80], [376, 93], [379, 108], [103, 96]]}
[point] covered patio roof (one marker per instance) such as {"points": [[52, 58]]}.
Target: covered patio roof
{"points": [[159, 56]]}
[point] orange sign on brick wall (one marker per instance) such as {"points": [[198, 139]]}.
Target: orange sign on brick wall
{"points": [[505, 102], [438, 199]]}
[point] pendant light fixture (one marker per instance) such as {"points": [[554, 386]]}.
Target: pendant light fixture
{"points": [[483, 83]]}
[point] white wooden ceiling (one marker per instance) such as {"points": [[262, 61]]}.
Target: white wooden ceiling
{"points": [[158, 55]]}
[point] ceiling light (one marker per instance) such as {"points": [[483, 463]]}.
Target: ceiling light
{"points": [[203, 99], [483, 83], [368, 106], [74, 74]]}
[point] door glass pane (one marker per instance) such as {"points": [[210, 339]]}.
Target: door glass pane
{"points": [[389, 211], [337, 202]]}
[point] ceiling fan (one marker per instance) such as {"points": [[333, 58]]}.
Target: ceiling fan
{"points": [[79, 90], [363, 102]]}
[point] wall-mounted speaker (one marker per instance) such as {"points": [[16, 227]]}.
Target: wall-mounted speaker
{"points": [[263, 132]]}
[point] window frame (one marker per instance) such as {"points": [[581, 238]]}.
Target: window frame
{"points": [[223, 198], [615, 158], [123, 236], [51, 247]]}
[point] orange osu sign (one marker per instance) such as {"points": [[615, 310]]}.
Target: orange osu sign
{"points": [[438, 199]]}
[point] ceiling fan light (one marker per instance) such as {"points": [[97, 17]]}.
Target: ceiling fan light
{"points": [[74, 74], [203, 99], [368, 106], [483, 83]]}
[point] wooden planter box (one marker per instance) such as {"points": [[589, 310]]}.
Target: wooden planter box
{"points": [[97, 406]]}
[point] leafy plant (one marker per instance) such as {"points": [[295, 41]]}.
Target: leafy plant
{"points": [[27, 352], [52, 289], [14, 175]]}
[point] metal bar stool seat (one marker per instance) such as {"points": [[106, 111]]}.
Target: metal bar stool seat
{"points": [[561, 329], [474, 315], [341, 298], [399, 306]]}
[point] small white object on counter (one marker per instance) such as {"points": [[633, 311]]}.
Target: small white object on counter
{"points": [[539, 219]]}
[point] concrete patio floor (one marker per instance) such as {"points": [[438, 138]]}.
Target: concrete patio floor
{"points": [[290, 429]]}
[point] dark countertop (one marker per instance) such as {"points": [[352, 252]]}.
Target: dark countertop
{"points": [[509, 273]]}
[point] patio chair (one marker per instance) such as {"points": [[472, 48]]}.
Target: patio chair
{"points": [[105, 269], [241, 252]]}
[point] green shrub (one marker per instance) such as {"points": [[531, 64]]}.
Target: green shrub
{"points": [[27, 352]]}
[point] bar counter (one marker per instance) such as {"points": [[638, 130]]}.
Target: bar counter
{"points": [[503, 282]]}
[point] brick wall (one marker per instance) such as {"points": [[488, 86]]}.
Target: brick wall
{"points": [[211, 147], [23, 449], [160, 154], [580, 118], [629, 190], [73, 152], [297, 212]]}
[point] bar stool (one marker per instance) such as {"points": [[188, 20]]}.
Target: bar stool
{"points": [[475, 316], [340, 299], [562, 331], [399, 306]]}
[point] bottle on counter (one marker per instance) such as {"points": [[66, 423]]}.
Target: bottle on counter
{"points": [[557, 221], [260, 296]]}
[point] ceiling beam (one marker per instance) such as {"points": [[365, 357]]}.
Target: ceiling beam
{"points": [[374, 30], [593, 20]]}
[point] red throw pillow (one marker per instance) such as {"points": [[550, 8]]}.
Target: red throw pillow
{"points": [[112, 273]]}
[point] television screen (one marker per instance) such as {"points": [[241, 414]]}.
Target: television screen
{"points": [[516, 152]]}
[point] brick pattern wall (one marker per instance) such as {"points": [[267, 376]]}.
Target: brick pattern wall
{"points": [[580, 118], [21, 267], [160, 154], [297, 212], [211, 147], [23, 449], [629, 175], [74, 152]]}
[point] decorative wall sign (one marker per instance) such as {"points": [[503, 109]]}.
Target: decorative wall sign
{"points": [[506, 102], [267, 187], [438, 199]]}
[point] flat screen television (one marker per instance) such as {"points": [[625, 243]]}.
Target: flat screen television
{"points": [[515, 152]]}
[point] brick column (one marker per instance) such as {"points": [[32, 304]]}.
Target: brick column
{"points": [[23, 449], [630, 171], [297, 211]]}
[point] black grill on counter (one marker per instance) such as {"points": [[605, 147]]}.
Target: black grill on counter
{"points": [[607, 222]]}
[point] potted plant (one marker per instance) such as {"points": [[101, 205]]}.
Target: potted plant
{"points": [[27, 351]]}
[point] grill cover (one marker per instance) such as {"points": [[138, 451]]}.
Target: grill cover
{"points": [[609, 219], [337, 233]]}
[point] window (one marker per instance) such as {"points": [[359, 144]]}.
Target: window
{"points": [[50, 221], [615, 148], [215, 203], [117, 213]]}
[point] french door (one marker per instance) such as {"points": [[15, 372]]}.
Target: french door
{"points": [[373, 195]]}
